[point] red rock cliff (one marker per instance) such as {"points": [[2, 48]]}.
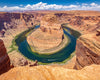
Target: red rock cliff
{"points": [[4, 59]]}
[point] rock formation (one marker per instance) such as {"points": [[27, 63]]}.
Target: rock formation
{"points": [[52, 73], [49, 35], [17, 20], [87, 50], [19, 60], [81, 20], [4, 59]]}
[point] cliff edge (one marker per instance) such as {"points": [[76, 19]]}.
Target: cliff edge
{"points": [[52, 73], [4, 59], [87, 50]]}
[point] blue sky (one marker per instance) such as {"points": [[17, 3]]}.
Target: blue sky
{"points": [[59, 2], [11, 5]]}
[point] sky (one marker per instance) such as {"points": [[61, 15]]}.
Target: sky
{"points": [[21, 5]]}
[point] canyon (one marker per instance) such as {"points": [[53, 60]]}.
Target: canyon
{"points": [[49, 35], [87, 57]]}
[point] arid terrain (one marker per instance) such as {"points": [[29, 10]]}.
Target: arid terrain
{"points": [[84, 65], [49, 35]]}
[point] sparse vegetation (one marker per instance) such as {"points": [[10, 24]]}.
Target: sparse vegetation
{"points": [[14, 45]]}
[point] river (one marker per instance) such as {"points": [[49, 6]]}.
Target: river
{"points": [[58, 56]]}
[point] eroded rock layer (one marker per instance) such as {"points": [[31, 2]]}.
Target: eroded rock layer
{"points": [[4, 59], [87, 50], [17, 20], [49, 35], [52, 73]]}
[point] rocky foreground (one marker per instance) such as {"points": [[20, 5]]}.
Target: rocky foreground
{"points": [[52, 73]]}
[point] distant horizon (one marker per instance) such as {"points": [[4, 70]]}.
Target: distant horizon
{"points": [[46, 6], [45, 11]]}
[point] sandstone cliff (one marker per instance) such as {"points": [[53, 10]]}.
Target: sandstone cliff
{"points": [[87, 50], [17, 20], [84, 21], [4, 59], [52, 73]]}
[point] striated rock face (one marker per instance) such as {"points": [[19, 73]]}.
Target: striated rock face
{"points": [[50, 24], [4, 59], [52, 73], [17, 20], [81, 20], [85, 21], [13, 20], [87, 50], [49, 35]]}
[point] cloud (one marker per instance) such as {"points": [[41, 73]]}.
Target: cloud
{"points": [[93, 4], [45, 6], [20, 5]]}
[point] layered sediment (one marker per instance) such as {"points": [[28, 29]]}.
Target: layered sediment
{"points": [[4, 58], [17, 20], [49, 35], [87, 50], [52, 73]]}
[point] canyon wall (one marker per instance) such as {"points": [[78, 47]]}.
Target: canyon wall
{"points": [[87, 21], [4, 58], [84, 21], [17, 20], [87, 50]]}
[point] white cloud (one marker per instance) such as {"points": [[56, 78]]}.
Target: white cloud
{"points": [[45, 6], [84, 4], [93, 4], [21, 5]]}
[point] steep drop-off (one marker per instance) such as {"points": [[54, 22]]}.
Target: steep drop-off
{"points": [[4, 58], [17, 20], [87, 50]]}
